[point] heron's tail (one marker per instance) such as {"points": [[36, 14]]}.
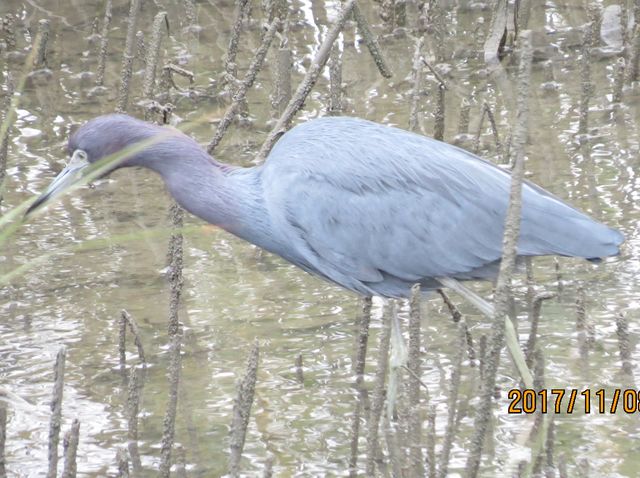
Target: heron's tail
{"points": [[550, 226]]}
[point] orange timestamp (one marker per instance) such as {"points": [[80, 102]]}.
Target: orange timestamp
{"points": [[559, 400]]}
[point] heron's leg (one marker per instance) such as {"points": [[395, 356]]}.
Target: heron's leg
{"points": [[478, 302], [511, 336], [398, 355]]}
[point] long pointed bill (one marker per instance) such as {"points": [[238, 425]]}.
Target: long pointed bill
{"points": [[66, 178]]}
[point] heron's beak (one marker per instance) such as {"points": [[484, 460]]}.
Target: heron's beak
{"points": [[67, 176]]}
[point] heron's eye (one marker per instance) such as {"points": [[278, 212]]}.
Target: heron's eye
{"points": [[81, 154]]}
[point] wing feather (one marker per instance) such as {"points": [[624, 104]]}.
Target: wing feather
{"points": [[364, 203]]}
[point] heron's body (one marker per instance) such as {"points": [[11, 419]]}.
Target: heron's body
{"points": [[372, 208]]}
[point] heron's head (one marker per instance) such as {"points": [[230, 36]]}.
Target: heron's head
{"points": [[102, 145]]}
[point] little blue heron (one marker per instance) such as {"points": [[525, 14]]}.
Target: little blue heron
{"points": [[369, 207]]}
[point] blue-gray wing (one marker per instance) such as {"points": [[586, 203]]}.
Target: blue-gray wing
{"points": [[375, 208]]}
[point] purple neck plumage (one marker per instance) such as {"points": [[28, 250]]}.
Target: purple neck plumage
{"points": [[224, 195], [227, 196]]}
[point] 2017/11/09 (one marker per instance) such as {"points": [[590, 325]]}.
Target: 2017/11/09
{"points": [[529, 400]]}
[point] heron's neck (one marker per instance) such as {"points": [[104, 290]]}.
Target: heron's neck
{"points": [[224, 195]]}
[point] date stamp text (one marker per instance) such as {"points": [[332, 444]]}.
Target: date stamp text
{"points": [[559, 400]]}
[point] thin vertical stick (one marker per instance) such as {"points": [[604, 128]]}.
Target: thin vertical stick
{"points": [[536, 307], [358, 368], [305, 86], [8, 27], [624, 23], [583, 468], [132, 409], [486, 111], [550, 470], [378, 393], [549, 83], [93, 36], [531, 282], [8, 116], [242, 10], [494, 44], [127, 59], [181, 466], [416, 91], [187, 408], [175, 254], [523, 14], [104, 43], [370, 41], [167, 82], [456, 315], [299, 369], [386, 12], [476, 142], [452, 402], [585, 78], [137, 337], [400, 13], [247, 82], [556, 265], [274, 8], [494, 128], [455, 312], [512, 229], [141, 48], [190, 12], [335, 80], [71, 439], [618, 82], [414, 364], [153, 55], [268, 467], [581, 323], [431, 442], [242, 410], [562, 466], [538, 372], [482, 355], [465, 116], [355, 436], [180, 462], [622, 330], [436, 27], [438, 131], [539, 434], [282, 94], [56, 412], [362, 339], [123, 463], [122, 342], [634, 56], [3, 438], [40, 58]]}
